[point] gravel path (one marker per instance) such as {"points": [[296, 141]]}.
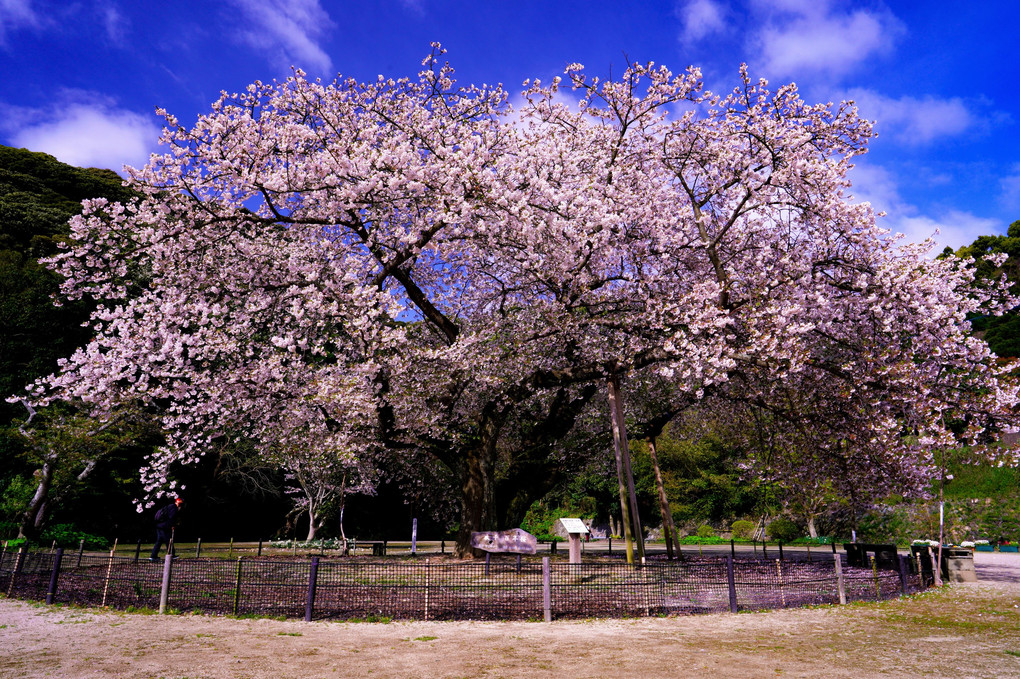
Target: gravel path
{"points": [[970, 630]]}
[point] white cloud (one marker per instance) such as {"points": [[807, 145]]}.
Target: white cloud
{"points": [[801, 37], [89, 135], [289, 30], [15, 15], [1009, 196], [701, 18], [114, 23], [955, 228], [414, 6], [914, 121]]}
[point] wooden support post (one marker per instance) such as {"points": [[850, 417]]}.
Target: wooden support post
{"points": [[546, 589], [237, 586], [874, 573], [313, 575], [109, 571], [138, 550], [428, 579], [782, 589], [260, 546], [902, 558], [198, 548], [81, 550], [780, 551], [487, 557], [839, 579], [51, 592], [809, 552], [230, 552], [732, 583], [18, 565], [518, 564], [733, 548], [164, 591]]}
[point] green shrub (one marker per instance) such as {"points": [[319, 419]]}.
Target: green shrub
{"points": [[706, 531], [783, 530], [695, 540], [742, 530], [66, 536]]}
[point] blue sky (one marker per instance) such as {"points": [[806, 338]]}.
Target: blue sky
{"points": [[81, 79]]}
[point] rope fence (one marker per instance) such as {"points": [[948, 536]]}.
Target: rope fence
{"points": [[434, 589]]}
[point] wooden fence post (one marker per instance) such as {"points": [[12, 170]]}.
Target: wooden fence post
{"points": [[164, 591], [732, 583], [546, 589], [260, 546], [54, 575], [198, 548], [779, 572], [17, 570], [313, 575], [81, 549], [237, 586], [427, 584], [839, 579], [109, 571], [874, 573], [138, 550]]}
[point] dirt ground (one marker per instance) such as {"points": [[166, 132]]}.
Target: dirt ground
{"points": [[961, 631]]}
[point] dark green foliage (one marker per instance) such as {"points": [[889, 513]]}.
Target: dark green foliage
{"points": [[541, 519], [706, 531], [1001, 332], [67, 536], [38, 195], [701, 479], [783, 530]]}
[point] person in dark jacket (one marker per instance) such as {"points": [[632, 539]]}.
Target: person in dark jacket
{"points": [[167, 519]]}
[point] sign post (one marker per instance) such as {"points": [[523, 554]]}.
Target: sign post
{"points": [[575, 529]]}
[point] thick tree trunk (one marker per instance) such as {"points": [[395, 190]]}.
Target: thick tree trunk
{"points": [[812, 531], [668, 529], [35, 515], [477, 500], [633, 533], [311, 525]]}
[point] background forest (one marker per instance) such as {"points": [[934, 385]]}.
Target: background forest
{"points": [[63, 474]]}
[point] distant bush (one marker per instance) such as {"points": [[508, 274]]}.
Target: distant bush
{"points": [[742, 530], [783, 530], [706, 531], [695, 540]]}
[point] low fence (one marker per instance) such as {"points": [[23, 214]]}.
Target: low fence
{"points": [[344, 589]]}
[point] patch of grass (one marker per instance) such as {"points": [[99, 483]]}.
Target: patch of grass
{"points": [[289, 634], [1015, 654], [425, 638]]}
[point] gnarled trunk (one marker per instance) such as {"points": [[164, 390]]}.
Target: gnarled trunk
{"points": [[478, 499], [35, 515]]}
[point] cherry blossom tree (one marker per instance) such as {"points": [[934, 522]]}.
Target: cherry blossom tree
{"points": [[413, 265]]}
